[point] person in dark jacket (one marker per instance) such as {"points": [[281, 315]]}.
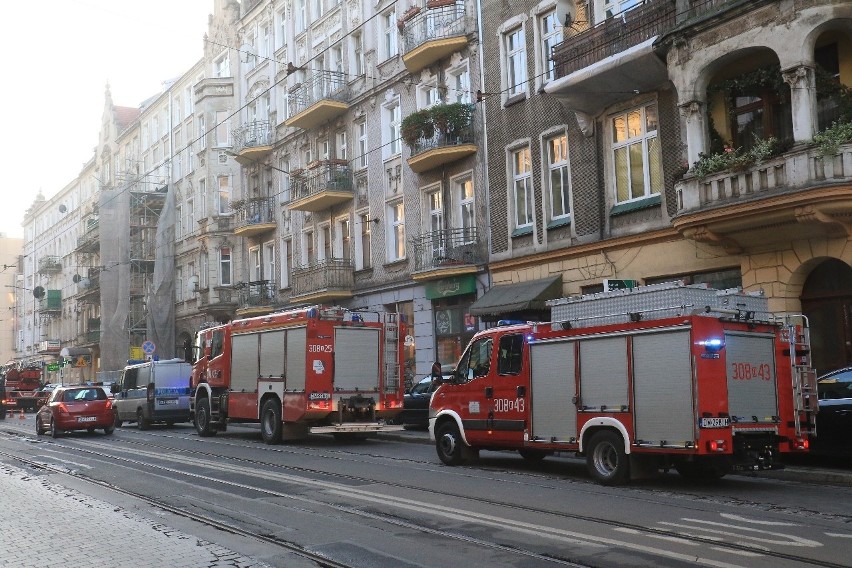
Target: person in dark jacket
{"points": [[2, 397]]}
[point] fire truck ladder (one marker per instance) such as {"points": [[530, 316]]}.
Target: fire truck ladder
{"points": [[805, 398], [391, 354]]}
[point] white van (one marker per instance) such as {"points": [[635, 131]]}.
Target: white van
{"points": [[154, 391]]}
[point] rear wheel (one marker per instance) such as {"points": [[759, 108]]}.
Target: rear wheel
{"points": [[118, 421], [606, 460], [141, 422], [270, 421], [108, 430], [54, 431], [202, 418], [448, 444], [39, 428]]}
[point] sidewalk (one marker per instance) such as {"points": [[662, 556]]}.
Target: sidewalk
{"points": [[47, 525]]}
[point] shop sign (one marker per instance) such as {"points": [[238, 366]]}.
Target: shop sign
{"points": [[447, 287]]}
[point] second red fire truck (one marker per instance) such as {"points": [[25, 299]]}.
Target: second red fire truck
{"points": [[311, 370], [658, 377]]}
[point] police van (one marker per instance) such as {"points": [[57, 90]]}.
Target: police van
{"points": [[153, 392]]}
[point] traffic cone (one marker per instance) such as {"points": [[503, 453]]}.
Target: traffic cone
{"points": [[21, 415]]}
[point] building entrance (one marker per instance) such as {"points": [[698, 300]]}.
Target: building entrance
{"points": [[827, 301]]}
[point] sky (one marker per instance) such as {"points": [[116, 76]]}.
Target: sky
{"points": [[59, 56]]}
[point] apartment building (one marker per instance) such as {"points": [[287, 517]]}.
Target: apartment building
{"points": [[361, 152], [10, 259], [670, 140]]}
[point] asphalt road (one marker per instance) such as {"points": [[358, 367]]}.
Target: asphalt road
{"points": [[386, 502]]}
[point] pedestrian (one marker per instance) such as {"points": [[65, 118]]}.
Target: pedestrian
{"points": [[437, 375], [2, 397]]}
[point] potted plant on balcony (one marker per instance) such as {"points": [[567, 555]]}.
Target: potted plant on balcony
{"points": [[453, 118], [417, 125], [439, 3], [407, 15]]}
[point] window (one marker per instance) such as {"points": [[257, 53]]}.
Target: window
{"points": [[516, 62], [636, 154], [510, 354], [392, 120], [281, 29], [459, 84], [224, 195], [269, 261], [204, 266], [189, 211], [222, 66], [759, 113], [396, 230], [187, 101], [319, 8], [522, 187], [301, 15], [557, 163], [265, 42], [364, 257], [467, 212], [357, 44], [435, 213], [476, 361], [362, 144], [179, 284], [324, 246], [341, 145], [336, 63], [202, 197], [286, 262], [389, 31], [202, 131], [225, 266], [284, 179], [178, 223], [255, 270], [551, 34], [223, 137], [610, 8], [342, 239], [427, 95]]}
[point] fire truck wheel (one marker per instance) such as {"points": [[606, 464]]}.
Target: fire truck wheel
{"points": [[270, 421], [202, 419], [606, 460], [449, 444], [533, 456], [141, 422]]}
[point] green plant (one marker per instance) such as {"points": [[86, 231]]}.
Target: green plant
{"points": [[829, 140], [738, 159], [417, 125], [452, 118]]}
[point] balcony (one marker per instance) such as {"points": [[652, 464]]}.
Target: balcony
{"points": [[252, 142], [324, 184], [593, 66], [51, 304], [324, 281], [449, 252], [90, 240], [219, 303], [49, 265], [795, 196], [254, 217], [432, 35], [439, 135], [322, 97], [89, 287], [257, 298]]}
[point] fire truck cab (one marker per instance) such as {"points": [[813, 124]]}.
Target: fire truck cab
{"points": [[701, 388]]}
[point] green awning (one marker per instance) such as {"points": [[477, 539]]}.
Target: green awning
{"points": [[520, 296]]}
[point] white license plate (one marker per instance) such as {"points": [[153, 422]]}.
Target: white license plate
{"points": [[86, 418], [715, 422], [168, 402]]}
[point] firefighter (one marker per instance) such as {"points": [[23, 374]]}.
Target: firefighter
{"points": [[437, 375]]}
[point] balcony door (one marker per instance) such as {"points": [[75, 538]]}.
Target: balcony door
{"points": [[827, 301]]}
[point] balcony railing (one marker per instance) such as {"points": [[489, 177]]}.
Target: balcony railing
{"points": [[692, 9], [613, 36], [49, 265], [324, 95], [90, 239], [252, 141], [255, 216], [443, 139], [258, 294], [325, 280], [447, 249], [433, 34], [798, 169], [328, 183]]}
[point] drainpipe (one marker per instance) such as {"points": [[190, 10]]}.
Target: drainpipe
{"points": [[484, 161]]}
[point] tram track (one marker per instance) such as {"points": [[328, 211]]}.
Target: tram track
{"points": [[258, 464]]}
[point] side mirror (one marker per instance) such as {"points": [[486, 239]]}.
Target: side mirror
{"points": [[114, 388]]}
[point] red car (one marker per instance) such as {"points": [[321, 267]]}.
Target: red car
{"points": [[76, 408]]}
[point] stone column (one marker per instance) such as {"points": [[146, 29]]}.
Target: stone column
{"points": [[803, 103], [694, 122]]}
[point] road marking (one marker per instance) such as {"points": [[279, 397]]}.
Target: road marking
{"points": [[62, 461], [761, 536], [839, 535], [657, 536], [740, 552]]}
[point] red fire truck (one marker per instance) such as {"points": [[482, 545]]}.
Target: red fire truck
{"points": [[311, 370], [657, 377], [21, 388]]}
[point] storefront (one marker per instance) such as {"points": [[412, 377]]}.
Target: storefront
{"points": [[453, 323]]}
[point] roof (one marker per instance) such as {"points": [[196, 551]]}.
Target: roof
{"points": [[506, 298], [125, 115]]}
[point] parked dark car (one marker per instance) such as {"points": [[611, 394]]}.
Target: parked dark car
{"points": [[415, 404], [834, 419], [76, 408]]}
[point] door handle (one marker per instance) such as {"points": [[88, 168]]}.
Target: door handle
{"points": [[521, 391], [489, 392]]}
